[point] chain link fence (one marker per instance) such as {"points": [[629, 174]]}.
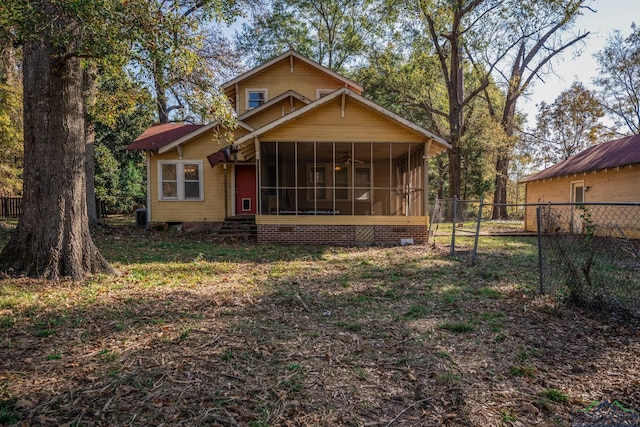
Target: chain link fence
{"points": [[589, 255], [461, 223]]}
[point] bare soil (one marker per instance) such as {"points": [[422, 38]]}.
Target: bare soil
{"points": [[199, 332]]}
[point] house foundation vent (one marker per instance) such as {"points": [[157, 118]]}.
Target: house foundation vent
{"points": [[365, 234]]}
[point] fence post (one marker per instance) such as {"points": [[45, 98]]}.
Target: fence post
{"points": [[433, 215], [539, 223], [475, 243], [452, 252]]}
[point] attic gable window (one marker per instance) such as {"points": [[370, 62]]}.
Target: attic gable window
{"points": [[256, 97], [180, 180]]}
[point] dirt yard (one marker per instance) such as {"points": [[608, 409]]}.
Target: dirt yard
{"points": [[200, 332]]}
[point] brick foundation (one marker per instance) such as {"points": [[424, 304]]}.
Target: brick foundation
{"points": [[341, 235]]}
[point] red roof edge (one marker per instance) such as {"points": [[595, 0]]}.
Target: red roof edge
{"points": [[159, 135]]}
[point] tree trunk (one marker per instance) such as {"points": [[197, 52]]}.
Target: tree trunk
{"points": [[52, 237], [161, 102], [89, 92], [500, 193]]}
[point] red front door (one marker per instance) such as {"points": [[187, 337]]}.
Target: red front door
{"points": [[246, 190]]}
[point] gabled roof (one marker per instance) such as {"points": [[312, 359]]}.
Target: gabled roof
{"points": [[294, 54], [269, 103], [620, 152], [158, 136], [328, 98]]}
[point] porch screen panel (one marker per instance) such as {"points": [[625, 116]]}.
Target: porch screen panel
{"points": [[322, 178], [268, 178], [416, 175], [362, 179], [401, 184], [305, 160], [341, 178], [342, 182], [287, 177], [381, 173]]}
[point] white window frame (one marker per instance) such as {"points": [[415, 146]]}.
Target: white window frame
{"points": [[247, 91], [574, 185], [323, 92], [181, 180]]}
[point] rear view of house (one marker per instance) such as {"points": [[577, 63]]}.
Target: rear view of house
{"points": [[313, 161]]}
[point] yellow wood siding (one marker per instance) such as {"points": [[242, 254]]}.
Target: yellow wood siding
{"points": [[360, 124], [278, 79], [274, 112], [248, 151], [240, 132], [611, 185], [342, 220], [211, 209]]}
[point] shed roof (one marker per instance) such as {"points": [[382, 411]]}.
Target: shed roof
{"points": [[620, 152], [157, 136]]}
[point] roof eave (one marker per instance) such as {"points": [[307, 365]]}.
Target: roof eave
{"points": [[332, 96], [186, 138]]}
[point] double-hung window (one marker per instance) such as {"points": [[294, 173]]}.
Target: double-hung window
{"points": [[256, 97], [180, 180]]}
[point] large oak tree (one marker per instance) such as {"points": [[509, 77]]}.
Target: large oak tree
{"points": [[52, 239]]}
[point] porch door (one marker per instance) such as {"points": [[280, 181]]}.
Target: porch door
{"points": [[245, 190], [577, 196]]}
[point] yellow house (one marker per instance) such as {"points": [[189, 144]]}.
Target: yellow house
{"points": [[605, 173], [313, 161]]}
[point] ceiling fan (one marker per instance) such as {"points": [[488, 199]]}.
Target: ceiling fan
{"points": [[347, 160]]}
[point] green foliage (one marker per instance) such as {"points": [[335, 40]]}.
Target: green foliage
{"points": [[123, 111], [568, 125], [416, 312], [334, 33], [11, 138], [619, 79], [457, 327], [555, 395], [507, 416], [7, 413], [180, 53]]}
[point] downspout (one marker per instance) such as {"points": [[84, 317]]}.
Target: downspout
{"points": [[148, 165], [226, 192], [258, 190]]}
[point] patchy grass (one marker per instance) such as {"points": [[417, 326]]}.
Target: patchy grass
{"points": [[198, 331]]}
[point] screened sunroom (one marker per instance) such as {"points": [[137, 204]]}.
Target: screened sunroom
{"points": [[338, 178]]}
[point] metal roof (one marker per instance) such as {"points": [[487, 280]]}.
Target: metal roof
{"points": [[620, 152], [157, 136]]}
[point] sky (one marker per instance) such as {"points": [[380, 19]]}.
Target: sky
{"points": [[610, 15]]}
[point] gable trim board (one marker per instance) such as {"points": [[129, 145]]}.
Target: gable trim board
{"points": [[195, 134], [326, 99], [290, 54], [290, 93]]}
